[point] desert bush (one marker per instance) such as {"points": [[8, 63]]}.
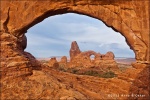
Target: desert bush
{"points": [[72, 70], [108, 74], [44, 61], [61, 68], [91, 73], [61, 65]]}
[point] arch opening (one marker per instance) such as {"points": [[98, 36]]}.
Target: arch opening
{"points": [[65, 30], [130, 36], [92, 57], [123, 17]]}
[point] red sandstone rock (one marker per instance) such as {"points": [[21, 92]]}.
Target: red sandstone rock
{"points": [[83, 60], [131, 19], [108, 56], [98, 56], [122, 16], [53, 62], [74, 50], [35, 64], [64, 59], [63, 63]]}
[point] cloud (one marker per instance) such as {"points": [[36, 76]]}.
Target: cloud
{"points": [[54, 35]]}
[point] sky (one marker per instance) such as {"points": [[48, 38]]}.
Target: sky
{"points": [[53, 37]]}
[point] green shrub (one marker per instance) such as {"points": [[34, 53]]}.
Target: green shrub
{"points": [[91, 73], [61, 68], [74, 71], [108, 74], [44, 61]]}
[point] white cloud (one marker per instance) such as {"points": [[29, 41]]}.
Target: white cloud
{"points": [[94, 34], [38, 40]]}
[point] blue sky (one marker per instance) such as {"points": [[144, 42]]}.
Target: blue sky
{"points": [[53, 36]]}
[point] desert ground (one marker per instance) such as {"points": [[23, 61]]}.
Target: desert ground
{"points": [[72, 83], [79, 77]]}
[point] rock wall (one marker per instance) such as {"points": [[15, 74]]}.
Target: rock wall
{"points": [[130, 18]]}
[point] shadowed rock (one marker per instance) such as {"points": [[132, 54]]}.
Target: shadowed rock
{"points": [[53, 62]]}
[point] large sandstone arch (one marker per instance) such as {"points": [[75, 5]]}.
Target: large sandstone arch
{"points": [[130, 18]]}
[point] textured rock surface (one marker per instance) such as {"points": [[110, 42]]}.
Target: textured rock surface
{"points": [[108, 56], [53, 62], [63, 62], [52, 84], [84, 60], [74, 50], [129, 17], [64, 59], [14, 61]]}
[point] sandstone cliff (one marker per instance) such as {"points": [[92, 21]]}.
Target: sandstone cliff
{"points": [[20, 80]]}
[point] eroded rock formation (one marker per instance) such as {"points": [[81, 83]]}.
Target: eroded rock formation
{"points": [[63, 59], [83, 60], [129, 17], [53, 62], [122, 16], [108, 56], [74, 51]]}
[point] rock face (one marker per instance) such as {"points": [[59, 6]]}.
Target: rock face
{"points": [[123, 16], [51, 84], [14, 61], [83, 60], [63, 62], [74, 50], [64, 59], [53, 62], [108, 56], [129, 17]]}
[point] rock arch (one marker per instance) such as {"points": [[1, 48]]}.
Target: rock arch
{"points": [[126, 17], [89, 53]]}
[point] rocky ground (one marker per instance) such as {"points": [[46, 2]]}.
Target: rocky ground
{"points": [[50, 83]]}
